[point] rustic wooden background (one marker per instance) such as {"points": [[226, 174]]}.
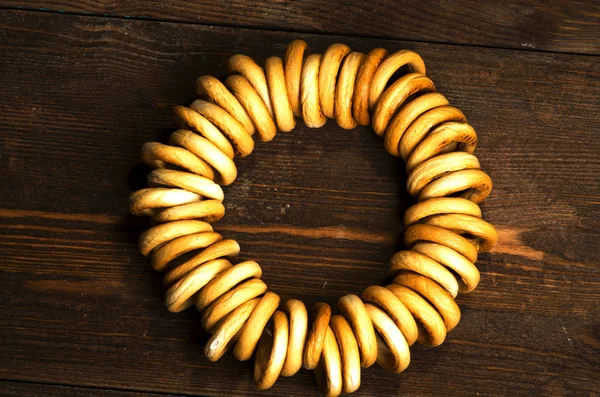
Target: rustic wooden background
{"points": [[85, 83]]}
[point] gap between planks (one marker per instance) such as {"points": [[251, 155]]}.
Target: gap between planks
{"points": [[283, 30]]}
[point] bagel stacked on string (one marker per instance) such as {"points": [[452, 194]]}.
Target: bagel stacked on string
{"points": [[444, 229]]}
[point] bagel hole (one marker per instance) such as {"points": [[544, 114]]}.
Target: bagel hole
{"points": [[263, 351], [407, 101], [179, 260], [385, 357], [265, 347], [411, 98], [321, 377], [471, 237], [402, 71], [423, 337], [457, 276], [465, 193], [476, 241]]}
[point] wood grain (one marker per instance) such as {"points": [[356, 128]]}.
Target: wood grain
{"points": [[561, 26], [320, 210], [25, 389]]}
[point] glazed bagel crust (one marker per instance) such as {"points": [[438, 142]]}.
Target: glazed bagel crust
{"points": [[444, 228], [364, 79], [321, 313], [279, 95]]}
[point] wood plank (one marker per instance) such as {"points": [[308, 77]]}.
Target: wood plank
{"points": [[319, 209], [562, 26], [25, 389]]}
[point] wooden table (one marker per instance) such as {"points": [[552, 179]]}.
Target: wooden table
{"points": [[85, 83]]}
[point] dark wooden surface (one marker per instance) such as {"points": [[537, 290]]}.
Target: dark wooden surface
{"points": [[28, 389], [557, 25], [81, 311]]}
